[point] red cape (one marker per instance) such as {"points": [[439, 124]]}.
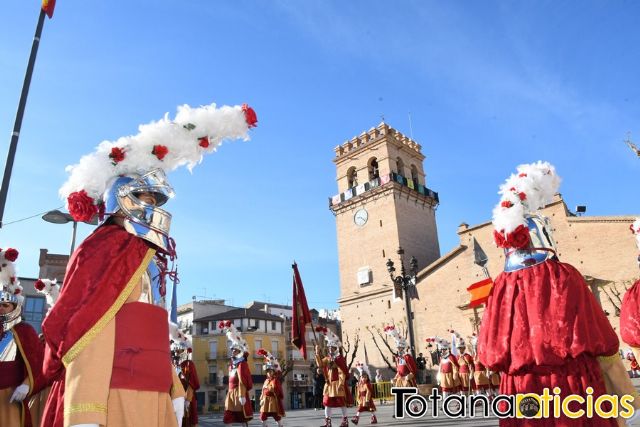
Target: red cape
{"points": [[630, 316], [543, 328], [100, 275], [191, 374], [31, 351]]}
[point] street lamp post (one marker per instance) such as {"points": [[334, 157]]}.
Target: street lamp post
{"points": [[57, 217], [407, 282]]}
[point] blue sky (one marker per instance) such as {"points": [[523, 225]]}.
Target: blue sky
{"points": [[488, 84]]}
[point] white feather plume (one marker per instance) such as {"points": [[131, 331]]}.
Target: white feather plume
{"points": [[531, 188], [635, 228], [181, 136], [50, 290]]}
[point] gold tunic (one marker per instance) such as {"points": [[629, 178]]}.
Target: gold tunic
{"points": [[88, 397]]}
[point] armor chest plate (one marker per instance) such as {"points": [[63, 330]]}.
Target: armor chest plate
{"points": [[151, 284], [8, 347]]}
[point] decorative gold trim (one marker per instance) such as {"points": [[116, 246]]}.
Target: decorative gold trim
{"points": [[86, 407], [25, 360], [612, 358], [111, 312]]}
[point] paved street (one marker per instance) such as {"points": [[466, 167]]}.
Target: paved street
{"points": [[306, 417]]}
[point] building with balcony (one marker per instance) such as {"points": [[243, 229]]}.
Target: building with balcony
{"points": [[299, 382], [211, 356]]}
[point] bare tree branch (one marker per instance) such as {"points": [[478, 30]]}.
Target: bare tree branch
{"points": [[347, 345], [617, 313], [386, 343], [616, 293], [355, 348], [384, 358]]}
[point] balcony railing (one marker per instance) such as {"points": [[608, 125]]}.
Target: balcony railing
{"points": [[382, 180]]}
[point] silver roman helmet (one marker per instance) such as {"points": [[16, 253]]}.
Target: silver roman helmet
{"points": [[541, 246], [10, 290], [142, 219]]}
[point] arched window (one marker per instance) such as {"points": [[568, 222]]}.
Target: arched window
{"points": [[373, 169], [352, 177], [415, 177], [400, 166]]}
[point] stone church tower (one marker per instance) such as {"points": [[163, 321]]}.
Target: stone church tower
{"points": [[383, 204]]}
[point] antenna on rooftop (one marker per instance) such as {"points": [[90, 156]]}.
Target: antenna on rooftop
{"points": [[410, 126]]}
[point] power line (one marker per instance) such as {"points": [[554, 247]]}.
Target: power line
{"points": [[32, 216]]}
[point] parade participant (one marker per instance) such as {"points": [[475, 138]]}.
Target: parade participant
{"points": [[406, 368], [107, 335], [336, 374], [633, 366], [630, 308], [51, 290], [364, 394], [191, 384], [448, 369], [380, 387], [271, 398], [542, 327], [494, 383], [20, 349], [237, 404], [465, 366], [481, 382]]}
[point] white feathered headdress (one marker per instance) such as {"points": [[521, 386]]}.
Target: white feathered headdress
{"points": [[330, 337], [10, 289], [236, 341], [529, 189], [165, 144], [393, 333], [635, 229], [49, 288], [270, 361]]}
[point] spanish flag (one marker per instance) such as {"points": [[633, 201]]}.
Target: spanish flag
{"points": [[48, 6], [480, 292]]}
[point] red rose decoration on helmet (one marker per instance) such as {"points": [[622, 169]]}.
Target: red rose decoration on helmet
{"points": [[250, 116], [11, 254], [39, 285], [160, 151], [506, 204], [221, 325], [189, 350], [498, 237], [81, 206], [116, 155], [519, 238], [522, 196], [204, 142]]}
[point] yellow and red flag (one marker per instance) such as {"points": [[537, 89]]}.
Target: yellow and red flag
{"points": [[480, 292], [301, 315], [48, 6]]}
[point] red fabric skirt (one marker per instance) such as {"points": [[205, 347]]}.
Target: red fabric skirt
{"points": [[544, 328], [367, 407], [630, 316], [333, 402], [265, 415]]}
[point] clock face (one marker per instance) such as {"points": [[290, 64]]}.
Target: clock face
{"points": [[361, 217]]}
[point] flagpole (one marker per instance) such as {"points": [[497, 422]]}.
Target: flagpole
{"points": [[4, 190]]}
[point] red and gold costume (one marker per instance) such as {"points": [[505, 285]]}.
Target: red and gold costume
{"points": [[448, 374], [466, 369], [191, 384], [240, 382], [271, 399], [101, 340], [481, 380], [406, 371], [543, 328], [336, 374], [23, 368], [630, 318], [365, 396]]}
